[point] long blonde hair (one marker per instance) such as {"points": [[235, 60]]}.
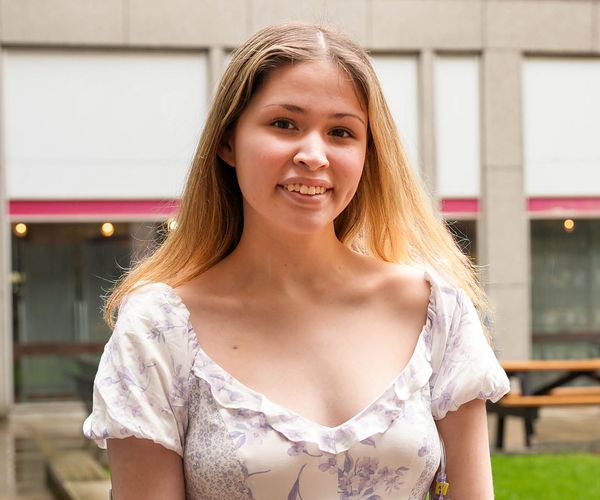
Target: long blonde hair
{"points": [[390, 216]]}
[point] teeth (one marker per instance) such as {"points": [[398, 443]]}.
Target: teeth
{"points": [[309, 190]]}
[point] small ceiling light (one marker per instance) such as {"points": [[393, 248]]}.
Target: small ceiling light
{"points": [[172, 224], [20, 230], [569, 225], [16, 278], [107, 229]]}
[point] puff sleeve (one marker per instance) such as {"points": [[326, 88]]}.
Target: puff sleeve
{"points": [[141, 387], [464, 365]]}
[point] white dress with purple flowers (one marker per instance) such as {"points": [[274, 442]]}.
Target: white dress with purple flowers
{"points": [[156, 382]]}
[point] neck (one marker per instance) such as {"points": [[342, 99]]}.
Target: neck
{"points": [[288, 263]]}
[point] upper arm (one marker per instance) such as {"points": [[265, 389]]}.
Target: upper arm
{"points": [[465, 436], [465, 374], [142, 469], [141, 396]]}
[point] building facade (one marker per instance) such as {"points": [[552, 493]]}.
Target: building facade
{"points": [[496, 101]]}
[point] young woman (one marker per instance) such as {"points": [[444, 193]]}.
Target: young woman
{"points": [[310, 325]]}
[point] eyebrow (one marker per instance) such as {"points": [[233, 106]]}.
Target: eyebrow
{"points": [[297, 109]]}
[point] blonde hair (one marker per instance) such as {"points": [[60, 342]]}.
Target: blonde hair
{"points": [[390, 216]]}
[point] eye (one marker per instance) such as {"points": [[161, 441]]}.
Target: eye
{"points": [[283, 124], [341, 132]]}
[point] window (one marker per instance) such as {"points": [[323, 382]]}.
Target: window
{"points": [[565, 287], [561, 118], [92, 124], [59, 274], [456, 80], [398, 78], [465, 234]]}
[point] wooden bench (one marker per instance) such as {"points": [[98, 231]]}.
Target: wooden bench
{"points": [[576, 390], [527, 402], [554, 399]]}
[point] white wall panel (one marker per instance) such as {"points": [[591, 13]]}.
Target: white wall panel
{"points": [[398, 77], [100, 125], [457, 126], [561, 108]]}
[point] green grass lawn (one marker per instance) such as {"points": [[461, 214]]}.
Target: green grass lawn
{"points": [[547, 477]]}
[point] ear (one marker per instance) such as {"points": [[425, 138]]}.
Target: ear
{"points": [[226, 149]]}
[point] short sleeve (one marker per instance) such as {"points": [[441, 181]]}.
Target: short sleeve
{"points": [[464, 365], [141, 387]]}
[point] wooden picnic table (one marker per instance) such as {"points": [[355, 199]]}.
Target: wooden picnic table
{"points": [[570, 369], [526, 401]]}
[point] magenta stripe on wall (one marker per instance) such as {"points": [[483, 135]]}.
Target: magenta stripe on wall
{"points": [[160, 209], [460, 206], [583, 205], [539, 206], [92, 208]]}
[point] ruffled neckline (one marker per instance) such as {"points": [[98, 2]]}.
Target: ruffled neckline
{"points": [[375, 418]]}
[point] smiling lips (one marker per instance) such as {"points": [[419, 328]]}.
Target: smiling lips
{"points": [[303, 189]]}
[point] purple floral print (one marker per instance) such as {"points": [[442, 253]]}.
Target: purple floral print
{"points": [[363, 478]]}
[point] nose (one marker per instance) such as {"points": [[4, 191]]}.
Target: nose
{"points": [[312, 153]]}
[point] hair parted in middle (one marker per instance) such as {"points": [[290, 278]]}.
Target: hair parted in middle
{"points": [[390, 216]]}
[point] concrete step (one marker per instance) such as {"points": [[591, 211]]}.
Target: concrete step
{"points": [[88, 490], [76, 475], [76, 465]]}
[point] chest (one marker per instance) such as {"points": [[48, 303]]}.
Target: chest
{"points": [[326, 363], [244, 454]]}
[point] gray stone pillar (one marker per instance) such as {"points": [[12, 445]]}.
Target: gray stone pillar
{"points": [[216, 66], [427, 122], [504, 226], [6, 346]]}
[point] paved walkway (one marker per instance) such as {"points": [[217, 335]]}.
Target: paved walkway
{"points": [[22, 464], [22, 467], [557, 430]]}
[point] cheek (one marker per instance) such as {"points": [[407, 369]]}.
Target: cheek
{"points": [[263, 143], [353, 160], [262, 156], [273, 152]]}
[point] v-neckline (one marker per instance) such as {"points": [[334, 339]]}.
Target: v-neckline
{"points": [[296, 415], [283, 410]]}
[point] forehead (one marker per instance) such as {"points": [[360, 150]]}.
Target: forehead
{"points": [[316, 83]]}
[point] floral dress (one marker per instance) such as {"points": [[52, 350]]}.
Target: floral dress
{"points": [[156, 382]]}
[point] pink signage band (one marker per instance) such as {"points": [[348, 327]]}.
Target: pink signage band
{"points": [[578, 205], [48, 210], [93, 209], [538, 207], [460, 206]]}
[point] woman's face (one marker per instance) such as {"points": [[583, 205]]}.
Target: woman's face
{"points": [[299, 148]]}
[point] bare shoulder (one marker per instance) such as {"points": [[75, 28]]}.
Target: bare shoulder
{"points": [[407, 285], [188, 290], [399, 284]]}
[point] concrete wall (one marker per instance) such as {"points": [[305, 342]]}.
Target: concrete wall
{"points": [[523, 25], [6, 347], [499, 32]]}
